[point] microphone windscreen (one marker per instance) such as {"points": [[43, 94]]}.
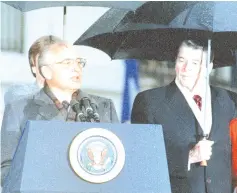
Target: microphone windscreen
{"points": [[86, 103], [75, 105]]}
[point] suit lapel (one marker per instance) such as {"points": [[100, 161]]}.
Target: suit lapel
{"points": [[180, 108], [47, 109], [178, 105]]}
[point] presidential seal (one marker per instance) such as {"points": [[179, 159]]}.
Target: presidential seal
{"points": [[97, 155]]}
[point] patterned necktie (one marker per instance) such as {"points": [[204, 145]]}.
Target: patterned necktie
{"points": [[64, 106], [198, 101]]}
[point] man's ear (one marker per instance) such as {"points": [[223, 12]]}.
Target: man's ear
{"points": [[46, 72], [36, 60]]}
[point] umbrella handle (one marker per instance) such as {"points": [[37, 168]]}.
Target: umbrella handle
{"points": [[203, 163]]}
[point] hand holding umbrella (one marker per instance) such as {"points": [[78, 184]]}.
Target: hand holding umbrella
{"points": [[201, 151]]}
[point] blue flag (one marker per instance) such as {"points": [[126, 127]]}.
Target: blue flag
{"points": [[131, 88]]}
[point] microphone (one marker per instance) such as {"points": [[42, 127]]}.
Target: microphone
{"points": [[76, 107], [95, 114], [86, 104], [89, 105]]}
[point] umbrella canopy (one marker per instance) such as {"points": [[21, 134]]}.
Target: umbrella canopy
{"points": [[32, 5], [217, 18], [155, 13], [146, 35], [212, 16]]}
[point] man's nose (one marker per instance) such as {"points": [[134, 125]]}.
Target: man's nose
{"points": [[76, 67], [187, 66]]}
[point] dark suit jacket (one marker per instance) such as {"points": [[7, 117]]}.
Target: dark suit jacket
{"points": [[38, 107], [168, 107]]}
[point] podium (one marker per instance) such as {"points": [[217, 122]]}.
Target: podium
{"points": [[43, 159]]}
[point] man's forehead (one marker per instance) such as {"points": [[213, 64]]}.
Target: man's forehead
{"points": [[191, 53], [60, 52]]}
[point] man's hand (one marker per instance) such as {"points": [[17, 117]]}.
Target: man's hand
{"points": [[235, 190], [201, 151], [234, 184]]}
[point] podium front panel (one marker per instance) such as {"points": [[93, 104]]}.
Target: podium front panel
{"points": [[43, 154]]}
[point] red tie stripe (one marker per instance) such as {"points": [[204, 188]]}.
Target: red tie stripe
{"points": [[198, 101]]}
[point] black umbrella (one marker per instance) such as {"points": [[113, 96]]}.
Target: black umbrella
{"points": [[31, 5], [148, 16], [217, 18], [154, 32]]}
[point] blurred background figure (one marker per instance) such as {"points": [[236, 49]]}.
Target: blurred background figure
{"points": [[233, 136], [131, 88]]}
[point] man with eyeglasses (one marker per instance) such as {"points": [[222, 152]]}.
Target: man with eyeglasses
{"points": [[59, 99]]}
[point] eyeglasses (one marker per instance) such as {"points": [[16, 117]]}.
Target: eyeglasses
{"points": [[81, 62]]}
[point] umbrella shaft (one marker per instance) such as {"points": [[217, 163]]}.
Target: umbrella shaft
{"points": [[207, 84]]}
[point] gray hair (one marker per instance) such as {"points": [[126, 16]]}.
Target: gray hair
{"points": [[38, 46]]}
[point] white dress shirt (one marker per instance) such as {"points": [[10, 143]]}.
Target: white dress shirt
{"points": [[205, 122]]}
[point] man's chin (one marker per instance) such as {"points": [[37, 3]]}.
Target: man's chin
{"points": [[187, 86], [187, 78], [72, 87], [76, 86]]}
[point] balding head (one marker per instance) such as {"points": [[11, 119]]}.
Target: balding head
{"points": [[37, 47], [55, 53]]}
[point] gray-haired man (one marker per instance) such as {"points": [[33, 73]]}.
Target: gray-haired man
{"points": [[62, 71]]}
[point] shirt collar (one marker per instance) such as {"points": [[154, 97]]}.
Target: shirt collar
{"points": [[57, 103], [188, 92]]}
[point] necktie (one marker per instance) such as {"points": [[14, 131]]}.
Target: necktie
{"points": [[64, 106], [198, 101]]}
